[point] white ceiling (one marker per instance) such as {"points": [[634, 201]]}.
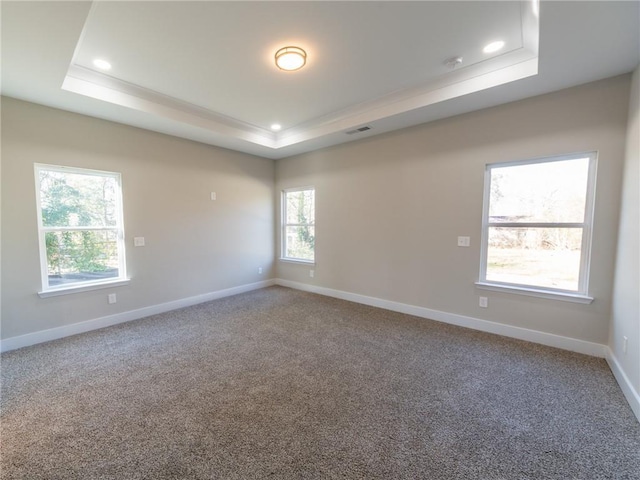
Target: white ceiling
{"points": [[205, 71]]}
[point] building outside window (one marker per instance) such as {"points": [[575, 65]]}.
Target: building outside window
{"points": [[537, 224], [298, 224], [80, 227]]}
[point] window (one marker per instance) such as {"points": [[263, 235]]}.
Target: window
{"points": [[80, 227], [298, 224], [537, 225]]}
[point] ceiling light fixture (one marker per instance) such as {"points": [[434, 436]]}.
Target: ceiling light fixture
{"points": [[493, 47], [276, 126], [102, 64], [291, 58]]}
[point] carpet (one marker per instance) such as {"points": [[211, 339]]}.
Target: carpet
{"points": [[283, 384]]}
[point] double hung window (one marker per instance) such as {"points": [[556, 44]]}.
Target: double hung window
{"points": [[537, 224], [80, 227], [298, 224]]}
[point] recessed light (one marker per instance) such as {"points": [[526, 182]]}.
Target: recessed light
{"points": [[291, 58], [276, 126], [493, 47], [102, 64]]}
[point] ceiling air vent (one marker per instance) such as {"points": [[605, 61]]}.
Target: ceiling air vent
{"points": [[358, 130]]}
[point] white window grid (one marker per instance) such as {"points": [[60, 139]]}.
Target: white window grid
{"points": [[284, 239], [585, 225], [42, 230]]}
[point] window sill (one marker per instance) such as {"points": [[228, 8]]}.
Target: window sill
{"points": [[532, 292], [299, 261], [82, 288]]}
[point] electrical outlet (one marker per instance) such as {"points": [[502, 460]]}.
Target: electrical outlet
{"points": [[624, 345], [484, 302], [112, 298], [464, 241], [312, 273], [138, 241], [259, 270], [213, 196]]}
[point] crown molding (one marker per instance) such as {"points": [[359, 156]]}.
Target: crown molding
{"points": [[510, 66]]}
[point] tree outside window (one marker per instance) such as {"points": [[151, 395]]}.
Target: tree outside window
{"points": [[537, 223], [80, 223], [298, 234]]}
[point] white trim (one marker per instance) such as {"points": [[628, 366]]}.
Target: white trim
{"points": [[284, 224], [518, 63], [83, 287], [535, 336], [79, 228], [298, 189], [630, 393], [107, 88], [586, 225], [565, 343], [297, 260], [96, 323], [532, 292], [42, 230]]}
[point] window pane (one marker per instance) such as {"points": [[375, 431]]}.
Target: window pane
{"points": [[300, 207], [75, 199], [543, 257], [300, 242], [81, 256], [540, 192]]}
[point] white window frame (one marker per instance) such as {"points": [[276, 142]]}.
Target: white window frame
{"points": [[48, 291], [581, 295], [284, 225]]}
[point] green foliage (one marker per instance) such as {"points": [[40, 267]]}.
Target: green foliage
{"points": [[76, 200], [304, 233], [54, 257], [61, 201]]}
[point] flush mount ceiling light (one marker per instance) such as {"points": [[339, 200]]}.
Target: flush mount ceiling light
{"points": [[291, 58], [102, 64], [493, 47], [276, 126]]}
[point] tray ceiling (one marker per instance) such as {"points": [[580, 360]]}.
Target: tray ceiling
{"points": [[205, 70]]}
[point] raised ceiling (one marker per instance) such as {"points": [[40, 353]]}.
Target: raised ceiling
{"points": [[205, 70]]}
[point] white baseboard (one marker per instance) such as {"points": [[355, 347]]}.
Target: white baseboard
{"points": [[565, 343], [96, 323], [630, 393], [549, 339]]}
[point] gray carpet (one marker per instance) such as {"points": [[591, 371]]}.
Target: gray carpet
{"points": [[278, 383]]}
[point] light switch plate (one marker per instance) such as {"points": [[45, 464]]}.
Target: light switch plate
{"points": [[464, 241], [138, 241]]}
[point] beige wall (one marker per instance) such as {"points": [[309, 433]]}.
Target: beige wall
{"points": [[626, 297], [389, 208], [193, 245]]}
